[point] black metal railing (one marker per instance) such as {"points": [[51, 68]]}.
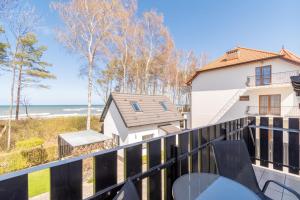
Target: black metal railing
{"points": [[274, 78], [167, 158], [276, 142], [174, 155]]}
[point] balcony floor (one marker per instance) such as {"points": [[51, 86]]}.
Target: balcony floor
{"points": [[275, 192]]}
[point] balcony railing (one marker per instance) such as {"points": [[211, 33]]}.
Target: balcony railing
{"points": [[276, 78], [284, 111], [167, 158]]}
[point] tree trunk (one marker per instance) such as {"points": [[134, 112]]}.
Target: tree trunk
{"points": [[18, 93], [154, 86], [11, 107], [12, 90], [124, 79], [137, 86], [90, 87], [26, 110]]}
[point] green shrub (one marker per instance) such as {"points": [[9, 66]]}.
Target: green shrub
{"points": [[52, 153], [30, 143], [12, 161], [35, 156]]}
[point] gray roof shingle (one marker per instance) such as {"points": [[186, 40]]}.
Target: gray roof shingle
{"points": [[152, 110]]}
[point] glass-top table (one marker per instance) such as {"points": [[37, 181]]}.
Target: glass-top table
{"points": [[198, 186]]}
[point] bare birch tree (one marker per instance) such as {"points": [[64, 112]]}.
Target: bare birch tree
{"points": [[124, 40], [89, 25], [153, 39]]}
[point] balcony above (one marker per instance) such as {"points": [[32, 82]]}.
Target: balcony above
{"points": [[278, 79], [282, 111]]}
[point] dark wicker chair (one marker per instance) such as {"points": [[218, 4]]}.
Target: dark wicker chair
{"points": [[233, 161], [127, 192]]}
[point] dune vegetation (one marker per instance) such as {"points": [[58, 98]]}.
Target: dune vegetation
{"points": [[38, 137]]}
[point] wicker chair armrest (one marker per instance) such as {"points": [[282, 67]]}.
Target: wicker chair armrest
{"points": [[281, 185]]}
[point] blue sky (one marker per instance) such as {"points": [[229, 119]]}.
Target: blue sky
{"points": [[210, 26]]}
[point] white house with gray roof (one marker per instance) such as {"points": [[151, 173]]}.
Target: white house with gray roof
{"points": [[130, 118]]}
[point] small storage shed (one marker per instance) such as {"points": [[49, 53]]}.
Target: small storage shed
{"points": [[83, 141]]}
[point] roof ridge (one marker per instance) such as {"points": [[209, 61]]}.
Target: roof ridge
{"points": [[290, 52], [258, 50], [239, 47], [138, 94]]}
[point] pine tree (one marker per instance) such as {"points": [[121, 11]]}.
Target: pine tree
{"points": [[31, 69], [3, 50]]}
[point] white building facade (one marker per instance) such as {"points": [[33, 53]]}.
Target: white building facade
{"points": [[245, 82]]}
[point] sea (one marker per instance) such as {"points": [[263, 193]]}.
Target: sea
{"points": [[47, 111]]}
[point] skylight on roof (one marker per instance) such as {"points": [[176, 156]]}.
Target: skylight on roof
{"points": [[163, 105], [136, 107]]}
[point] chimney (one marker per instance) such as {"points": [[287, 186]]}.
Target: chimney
{"points": [[232, 54]]}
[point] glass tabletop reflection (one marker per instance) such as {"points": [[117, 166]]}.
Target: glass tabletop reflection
{"points": [[199, 186]]}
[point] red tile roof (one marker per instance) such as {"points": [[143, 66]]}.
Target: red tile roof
{"points": [[289, 55], [242, 55]]}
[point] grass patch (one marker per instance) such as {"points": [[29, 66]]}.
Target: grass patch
{"points": [[39, 182]]}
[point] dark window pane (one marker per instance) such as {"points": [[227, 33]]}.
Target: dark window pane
{"points": [[136, 107], [266, 70], [266, 73], [257, 71], [164, 106], [266, 81]]}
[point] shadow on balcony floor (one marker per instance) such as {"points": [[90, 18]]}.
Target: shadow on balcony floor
{"points": [[275, 192]]}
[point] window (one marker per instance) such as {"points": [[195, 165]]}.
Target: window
{"points": [[163, 104], [136, 107], [244, 98], [263, 75], [269, 104]]}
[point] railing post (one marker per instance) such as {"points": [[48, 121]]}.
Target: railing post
{"points": [[15, 188], [264, 142], [105, 171], [252, 137], [66, 181], [154, 158], [277, 143], [169, 144], [133, 164], [194, 139], [294, 146], [176, 170], [183, 147]]}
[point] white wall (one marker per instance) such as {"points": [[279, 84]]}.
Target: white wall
{"points": [[214, 90], [136, 133], [113, 124]]}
